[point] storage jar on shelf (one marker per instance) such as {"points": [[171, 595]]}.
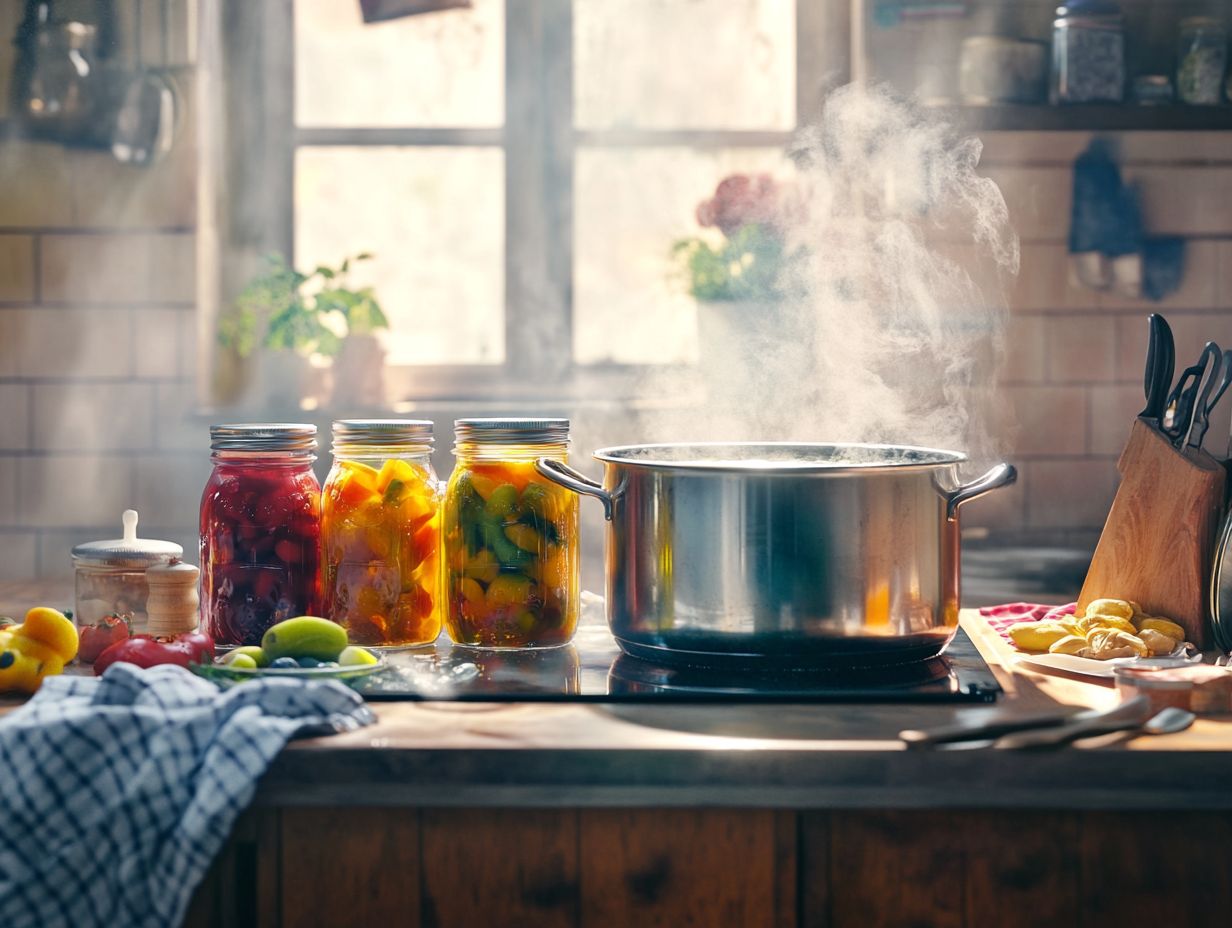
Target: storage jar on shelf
{"points": [[1088, 53], [260, 530], [1201, 60], [380, 533], [510, 537]]}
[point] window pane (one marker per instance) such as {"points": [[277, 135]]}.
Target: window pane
{"points": [[630, 303], [435, 220], [684, 64], [436, 69]]}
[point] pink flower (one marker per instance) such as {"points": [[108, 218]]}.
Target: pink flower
{"points": [[741, 200]]}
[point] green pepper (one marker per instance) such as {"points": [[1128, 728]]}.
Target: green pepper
{"points": [[509, 554], [534, 512], [502, 501], [394, 493], [470, 516]]}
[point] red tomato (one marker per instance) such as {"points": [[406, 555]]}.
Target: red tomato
{"points": [[141, 650], [146, 651], [95, 639], [198, 645]]}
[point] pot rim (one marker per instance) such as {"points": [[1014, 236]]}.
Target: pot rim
{"points": [[776, 457]]}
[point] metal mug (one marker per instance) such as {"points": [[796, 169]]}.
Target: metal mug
{"points": [[781, 554]]}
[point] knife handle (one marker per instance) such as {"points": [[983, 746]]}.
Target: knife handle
{"points": [[982, 731], [1129, 714], [1063, 734]]}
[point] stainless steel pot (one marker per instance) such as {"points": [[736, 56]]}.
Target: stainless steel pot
{"points": [[781, 554]]}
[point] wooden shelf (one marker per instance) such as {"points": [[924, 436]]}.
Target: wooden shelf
{"points": [[1094, 117]]}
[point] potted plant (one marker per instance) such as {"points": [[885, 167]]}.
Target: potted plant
{"points": [[296, 317], [740, 274]]}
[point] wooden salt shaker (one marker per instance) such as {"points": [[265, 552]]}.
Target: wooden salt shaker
{"points": [[173, 606]]}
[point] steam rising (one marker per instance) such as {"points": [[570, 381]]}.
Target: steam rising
{"points": [[894, 324]]}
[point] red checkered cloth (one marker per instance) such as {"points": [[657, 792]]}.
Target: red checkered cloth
{"points": [[1002, 617]]}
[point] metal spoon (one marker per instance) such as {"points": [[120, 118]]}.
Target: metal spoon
{"points": [[1165, 722]]}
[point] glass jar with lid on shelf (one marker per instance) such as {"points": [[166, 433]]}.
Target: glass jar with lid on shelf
{"points": [[510, 539], [1088, 53], [380, 533], [1201, 60]]}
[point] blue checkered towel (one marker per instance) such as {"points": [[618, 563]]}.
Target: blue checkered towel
{"points": [[117, 791]]}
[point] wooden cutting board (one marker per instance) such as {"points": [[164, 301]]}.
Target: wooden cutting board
{"points": [[1157, 544]]}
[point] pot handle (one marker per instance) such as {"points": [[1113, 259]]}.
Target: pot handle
{"points": [[1000, 476], [570, 479]]}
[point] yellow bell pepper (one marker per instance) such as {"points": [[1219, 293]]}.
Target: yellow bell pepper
{"points": [[38, 648]]}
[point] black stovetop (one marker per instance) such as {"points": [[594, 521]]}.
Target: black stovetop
{"points": [[593, 669]]}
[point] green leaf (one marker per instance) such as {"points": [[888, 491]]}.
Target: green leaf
{"points": [[273, 310], [751, 264]]}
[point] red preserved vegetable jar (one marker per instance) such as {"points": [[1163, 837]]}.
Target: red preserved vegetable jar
{"points": [[260, 530]]}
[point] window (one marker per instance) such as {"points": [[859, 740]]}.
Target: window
{"points": [[520, 168]]}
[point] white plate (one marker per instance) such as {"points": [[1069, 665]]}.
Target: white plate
{"points": [[1104, 670]]}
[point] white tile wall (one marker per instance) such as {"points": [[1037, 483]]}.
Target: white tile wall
{"points": [[16, 268], [66, 490], [14, 416], [46, 342], [107, 416], [18, 555]]}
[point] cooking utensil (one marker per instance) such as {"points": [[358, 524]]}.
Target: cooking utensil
{"points": [[1212, 364], [1160, 360], [147, 109], [145, 122], [1225, 380], [1221, 589], [794, 554], [1165, 722], [1180, 405], [986, 729]]}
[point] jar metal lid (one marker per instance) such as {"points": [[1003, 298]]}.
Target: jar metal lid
{"points": [[384, 433], [129, 551], [1089, 13], [511, 431], [263, 436]]}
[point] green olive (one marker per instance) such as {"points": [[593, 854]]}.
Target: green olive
{"points": [[355, 656], [240, 661], [258, 657], [305, 636]]}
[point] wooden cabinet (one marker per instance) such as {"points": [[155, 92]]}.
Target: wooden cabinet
{"points": [[615, 868]]}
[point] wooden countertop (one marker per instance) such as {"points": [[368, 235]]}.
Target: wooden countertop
{"points": [[804, 756]]}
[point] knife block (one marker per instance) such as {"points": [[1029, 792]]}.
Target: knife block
{"points": [[1158, 541]]}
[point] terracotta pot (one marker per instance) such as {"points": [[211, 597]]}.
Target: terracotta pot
{"points": [[359, 372]]}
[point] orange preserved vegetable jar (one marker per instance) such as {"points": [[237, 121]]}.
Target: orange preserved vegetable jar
{"points": [[510, 537], [380, 533]]}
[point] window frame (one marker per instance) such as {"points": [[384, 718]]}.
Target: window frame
{"points": [[539, 142]]}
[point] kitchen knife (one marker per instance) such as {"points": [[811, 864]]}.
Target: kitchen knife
{"points": [[1214, 383], [1137, 708], [1180, 406], [1160, 360]]}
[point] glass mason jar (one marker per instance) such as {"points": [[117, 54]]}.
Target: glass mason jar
{"points": [[380, 533], [110, 576], [1201, 60], [1088, 53], [260, 530], [510, 537]]}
